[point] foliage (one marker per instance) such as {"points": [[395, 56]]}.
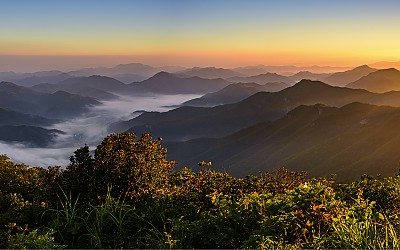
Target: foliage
{"points": [[132, 167], [125, 196], [66, 220], [78, 178], [33, 240], [25, 193]]}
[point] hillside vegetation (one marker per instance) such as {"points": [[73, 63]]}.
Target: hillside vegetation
{"points": [[127, 195]]}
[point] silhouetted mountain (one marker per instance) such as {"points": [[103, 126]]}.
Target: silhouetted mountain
{"points": [[93, 86], [34, 80], [346, 77], [210, 72], [386, 65], [380, 81], [128, 78], [57, 105], [167, 83], [82, 91], [95, 81], [187, 123], [9, 117], [350, 141], [263, 79], [234, 93], [308, 75], [33, 136]]}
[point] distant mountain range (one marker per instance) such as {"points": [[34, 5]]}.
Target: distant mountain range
{"points": [[244, 98], [187, 123], [99, 87], [262, 79], [386, 65], [210, 72], [134, 70], [61, 104], [31, 135], [309, 76], [9, 117], [234, 93], [350, 141], [106, 88], [287, 69], [343, 78], [379, 81], [167, 83]]}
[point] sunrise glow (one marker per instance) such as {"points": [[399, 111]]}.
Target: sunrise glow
{"points": [[190, 33]]}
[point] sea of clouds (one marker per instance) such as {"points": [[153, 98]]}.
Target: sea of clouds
{"points": [[89, 129]]}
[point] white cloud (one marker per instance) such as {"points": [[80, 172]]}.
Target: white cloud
{"points": [[89, 129]]}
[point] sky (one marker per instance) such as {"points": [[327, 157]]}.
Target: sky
{"points": [[227, 33]]}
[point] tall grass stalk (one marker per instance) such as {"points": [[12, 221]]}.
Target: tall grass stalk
{"points": [[111, 215], [66, 221]]}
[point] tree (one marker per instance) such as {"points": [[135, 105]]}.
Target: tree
{"points": [[133, 167], [79, 177]]}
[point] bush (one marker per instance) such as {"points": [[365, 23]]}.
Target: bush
{"points": [[125, 196], [132, 167], [33, 240]]}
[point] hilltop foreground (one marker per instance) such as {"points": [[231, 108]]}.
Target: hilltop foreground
{"points": [[125, 196]]}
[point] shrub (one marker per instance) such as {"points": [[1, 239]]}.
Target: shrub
{"points": [[33, 240]]}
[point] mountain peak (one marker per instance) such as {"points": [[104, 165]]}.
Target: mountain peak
{"points": [[389, 70], [363, 67], [309, 83], [161, 75], [10, 87], [8, 84], [99, 77]]}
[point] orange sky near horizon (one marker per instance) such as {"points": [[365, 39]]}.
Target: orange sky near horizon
{"points": [[205, 33]]}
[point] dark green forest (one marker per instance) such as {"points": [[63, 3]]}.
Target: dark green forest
{"points": [[128, 195]]}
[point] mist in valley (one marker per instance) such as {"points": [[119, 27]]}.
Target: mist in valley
{"points": [[89, 129]]}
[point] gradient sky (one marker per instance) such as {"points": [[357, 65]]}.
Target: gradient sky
{"points": [[202, 32]]}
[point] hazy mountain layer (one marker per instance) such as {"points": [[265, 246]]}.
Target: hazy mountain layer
{"points": [[234, 93], [186, 123], [167, 83], [138, 69], [57, 105], [95, 86], [34, 80], [263, 79], [346, 77], [309, 75], [380, 81], [210, 72], [31, 135], [9, 117]]}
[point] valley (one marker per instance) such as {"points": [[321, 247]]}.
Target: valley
{"points": [[242, 123]]}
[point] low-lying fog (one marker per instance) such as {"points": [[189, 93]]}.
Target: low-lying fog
{"points": [[89, 129]]}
